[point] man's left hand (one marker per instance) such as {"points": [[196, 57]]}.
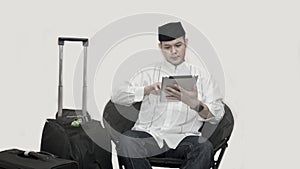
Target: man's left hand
{"points": [[188, 97], [179, 93]]}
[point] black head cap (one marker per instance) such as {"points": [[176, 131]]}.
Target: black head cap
{"points": [[170, 31]]}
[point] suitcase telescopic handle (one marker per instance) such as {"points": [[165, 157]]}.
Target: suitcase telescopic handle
{"points": [[61, 41], [85, 41]]}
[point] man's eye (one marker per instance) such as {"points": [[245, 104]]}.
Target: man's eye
{"points": [[178, 45], [167, 47]]}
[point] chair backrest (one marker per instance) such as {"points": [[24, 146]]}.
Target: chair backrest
{"points": [[220, 132], [122, 118]]}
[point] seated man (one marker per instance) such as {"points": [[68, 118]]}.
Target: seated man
{"points": [[169, 128]]}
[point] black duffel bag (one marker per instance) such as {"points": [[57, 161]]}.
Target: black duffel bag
{"points": [[88, 144], [19, 159]]}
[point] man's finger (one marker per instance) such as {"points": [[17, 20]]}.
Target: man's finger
{"points": [[172, 98], [173, 92], [177, 87], [159, 86], [172, 89]]}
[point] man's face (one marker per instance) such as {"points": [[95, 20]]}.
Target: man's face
{"points": [[174, 51]]}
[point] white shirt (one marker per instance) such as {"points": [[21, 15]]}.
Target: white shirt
{"points": [[169, 121]]}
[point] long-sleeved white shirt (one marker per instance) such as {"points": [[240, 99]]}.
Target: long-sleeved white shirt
{"points": [[169, 121]]}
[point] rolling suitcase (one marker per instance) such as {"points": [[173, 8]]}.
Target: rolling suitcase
{"points": [[18, 159], [73, 134]]}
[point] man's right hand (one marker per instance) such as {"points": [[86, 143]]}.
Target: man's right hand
{"points": [[153, 89]]}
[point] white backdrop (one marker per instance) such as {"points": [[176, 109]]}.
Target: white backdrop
{"points": [[257, 43]]}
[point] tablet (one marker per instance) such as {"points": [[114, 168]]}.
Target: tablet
{"points": [[185, 81]]}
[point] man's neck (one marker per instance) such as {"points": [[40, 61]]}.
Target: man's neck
{"points": [[173, 66]]}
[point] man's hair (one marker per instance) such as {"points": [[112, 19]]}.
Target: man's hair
{"points": [[183, 37]]}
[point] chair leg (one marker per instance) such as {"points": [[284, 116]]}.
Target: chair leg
{"points": [[120, 162], [217, 163]]}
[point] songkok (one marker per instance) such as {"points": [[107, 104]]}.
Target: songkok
{"points": [[170, 31]]}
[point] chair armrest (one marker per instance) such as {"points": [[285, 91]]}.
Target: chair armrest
{"points": [[221, 145]]}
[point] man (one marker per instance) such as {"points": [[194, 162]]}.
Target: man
{"points": [[170, 129]]}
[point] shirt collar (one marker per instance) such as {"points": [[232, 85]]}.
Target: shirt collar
{"points": [[169, 66]]}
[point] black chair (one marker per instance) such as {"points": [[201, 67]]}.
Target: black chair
{"points": [[118, 119]]}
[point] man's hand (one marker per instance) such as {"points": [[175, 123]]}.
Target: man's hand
{"points": [[190, 98], [153, 89]]}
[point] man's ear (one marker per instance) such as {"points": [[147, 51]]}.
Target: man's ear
{"points": [[160, 45], [186, 41]]}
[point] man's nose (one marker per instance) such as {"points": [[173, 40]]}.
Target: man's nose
{"points": [[173, 50]]}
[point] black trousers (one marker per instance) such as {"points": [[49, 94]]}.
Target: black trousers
{"points": [[136, 146]]}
